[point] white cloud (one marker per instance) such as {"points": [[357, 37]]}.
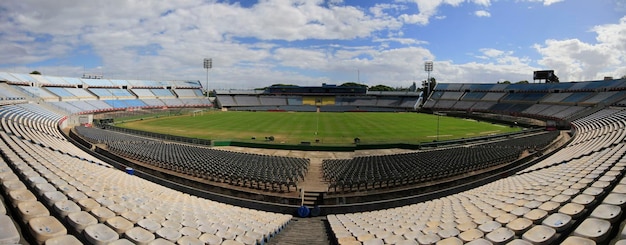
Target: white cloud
{"points": [[545, 2], [576, 60], [482, 13]]}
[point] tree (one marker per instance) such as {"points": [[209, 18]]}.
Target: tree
{"points": [[353, 84], [381, 87], [35, 73], [522, 82], [624, 77], [504, 82]]}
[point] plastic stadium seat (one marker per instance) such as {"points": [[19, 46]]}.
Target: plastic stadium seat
{"points": [[616, 199], [51, 197], [471, 235], [45, 227], [12, 185], [23, 195], [149, 225], [607, 212], [211, 239], [80, 220], [87, 204], [480, 241], [8, 231], [161, 241], [139, 235], [375, 241], [536, 215], [31, 209], [404, 242], [119, 224], [489, 226], [594, 229], [100, 234], [501, 235], [558, 221], [450, 241], [575, 240], [574, 210], [102, 213], [169, 234], [64, 240], [519, 225], [428, 239], [540, 235], [122, 241], [195, 241], [132, 216], [64, 207]]}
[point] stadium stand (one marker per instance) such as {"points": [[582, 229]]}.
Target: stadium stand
{"points": [[308, 99], [250, 170], [386, 171], [56, 193], [563, 102], [85, 200], [571, 198]]}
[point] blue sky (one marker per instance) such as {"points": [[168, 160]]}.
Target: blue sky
{"points": [[309, 42]]}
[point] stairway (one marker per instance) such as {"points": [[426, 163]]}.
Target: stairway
{"points": [[309, 231]]}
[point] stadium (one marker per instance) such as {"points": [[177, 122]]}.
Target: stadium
{"points": [[72, 172]]}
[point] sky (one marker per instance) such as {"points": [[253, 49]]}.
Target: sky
{"points": [[309, 42]]}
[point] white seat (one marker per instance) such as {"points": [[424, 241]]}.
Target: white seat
{"points": [[616, 199], [119, 224], [540, 235], [479, 241], [519, 225], [80, 220], [212, 239], [102, 213], [100, 234], [64, 240], [572, 209], [501, 235], [169, 234], [489, 226], [139, 235], [191, 232], [8, 231], [12, 185], [122, 241], [87, 204], [64, 207], [31, 209], [149, 225], [160, 241], [375, 241], [471, 235], [594, 229], [606, 212], [21, 195], [428, 239], [575, 240], [46, 227], [519, 242], [233, 242], [51, 197], [187, 240]]}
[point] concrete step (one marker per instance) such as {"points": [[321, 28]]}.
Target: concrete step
{"points": [[309, 231]]}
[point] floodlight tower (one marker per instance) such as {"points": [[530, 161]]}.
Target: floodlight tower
{"points": [[208, 64], [428, 67]]}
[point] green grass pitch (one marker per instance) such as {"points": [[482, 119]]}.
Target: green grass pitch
{"points": [[330, 128]]}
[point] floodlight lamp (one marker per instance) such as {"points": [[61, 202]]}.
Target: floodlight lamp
{"points": [[208, 63], [428, 66]]}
